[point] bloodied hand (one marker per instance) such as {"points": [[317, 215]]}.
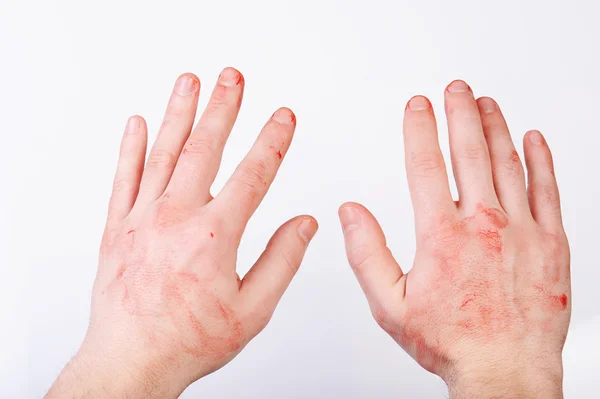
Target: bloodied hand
{"points": [[487, 303], [168, 306]]}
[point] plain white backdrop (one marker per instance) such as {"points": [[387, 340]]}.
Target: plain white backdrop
{"points": [[71, 72]]}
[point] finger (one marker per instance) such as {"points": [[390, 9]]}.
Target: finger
{"points": [[544, 199], [264, 285], [199, 162], [507, 169], [425, 167], [251, 180], [175, 129], [378, 273], [129, 169], [470, 158]]}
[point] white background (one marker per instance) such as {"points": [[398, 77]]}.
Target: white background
{"points": [[71, 72]]}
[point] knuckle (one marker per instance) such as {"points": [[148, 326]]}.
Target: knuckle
{"points": [[512, 164], [545, 193], [287, 261], [255, 173], [120, 186], [360, 256], [160, 159], [426, 163], [551, 200], [470, 153], [199, 147]]}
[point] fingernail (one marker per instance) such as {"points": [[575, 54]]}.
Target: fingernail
{"points": [[229, 77], [185, 85], [133, 124], [536, 137], [350, 218], [487, 105], [418, 103], [284, 116], [458, 86], [307, 230]]}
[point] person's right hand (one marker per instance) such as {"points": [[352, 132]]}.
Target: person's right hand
{"points": [[487, 303]]}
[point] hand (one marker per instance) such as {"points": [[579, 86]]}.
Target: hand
{"points": [[168, 306], [487, 303]]}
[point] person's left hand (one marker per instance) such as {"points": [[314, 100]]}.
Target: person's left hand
{"points": [[168, 306]]}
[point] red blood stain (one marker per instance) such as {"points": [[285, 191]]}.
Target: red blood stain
{"points": [[235, 76], [240, 79], [212, 235], [131, 231], [514, 157], [553, 302], [559, 302], [564, 300], [279, 154]]}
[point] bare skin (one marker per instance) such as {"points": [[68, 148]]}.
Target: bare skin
{"points": [[487, 303], [168, 306]]}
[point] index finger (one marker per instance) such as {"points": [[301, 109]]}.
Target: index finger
{"points": [[249, 184], [425, 167]]}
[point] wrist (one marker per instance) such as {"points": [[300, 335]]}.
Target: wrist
{"points": [[93, 375], [533, 378]]}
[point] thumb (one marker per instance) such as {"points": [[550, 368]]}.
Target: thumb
{"points": [[264, 284], [378, 273]]}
